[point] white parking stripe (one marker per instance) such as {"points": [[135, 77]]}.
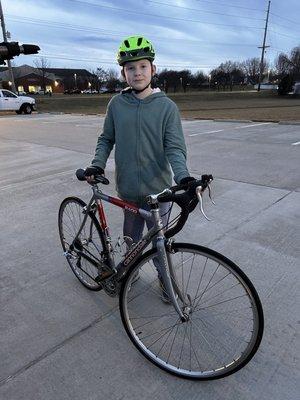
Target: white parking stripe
{"points": [[295, 144], [203, 133], [250, 126]]}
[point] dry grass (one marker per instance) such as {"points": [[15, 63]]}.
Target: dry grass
{"points": [[263, 106]]}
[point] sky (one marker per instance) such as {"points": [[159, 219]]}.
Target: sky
{"points": [[186, 34]]}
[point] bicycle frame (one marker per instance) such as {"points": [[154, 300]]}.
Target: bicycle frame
{"points": [[131, 256]]}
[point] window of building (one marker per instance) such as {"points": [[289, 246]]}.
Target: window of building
{"points": [[33, 89]]}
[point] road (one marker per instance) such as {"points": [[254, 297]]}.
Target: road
{"points": [[60, 341]]}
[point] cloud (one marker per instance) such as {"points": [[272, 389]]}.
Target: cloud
{"points": [[93, 32]]}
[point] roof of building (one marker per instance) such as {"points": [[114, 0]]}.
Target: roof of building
{"points": [[64, 72], [51, 73]]}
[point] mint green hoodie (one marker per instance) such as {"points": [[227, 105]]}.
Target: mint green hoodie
{"points": [[148, 139]]}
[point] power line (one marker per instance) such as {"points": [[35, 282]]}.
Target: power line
{"points": [[230, 5], [287, 19], [161, 16], [282, 26], [53, 24], [283, 34], [113, 62], [204, 11]]}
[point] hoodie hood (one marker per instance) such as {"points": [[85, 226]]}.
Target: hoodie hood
{"points": [[129, 97]]}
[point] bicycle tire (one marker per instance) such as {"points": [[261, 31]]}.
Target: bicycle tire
{"points": [[83, 270], [205, 315]]}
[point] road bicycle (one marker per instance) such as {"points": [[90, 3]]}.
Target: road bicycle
{"points": [[213, 323]]}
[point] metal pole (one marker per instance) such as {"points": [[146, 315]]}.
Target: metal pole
{"points": [[10, 71], [263, 49]]}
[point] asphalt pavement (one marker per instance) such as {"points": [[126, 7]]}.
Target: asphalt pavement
{"points": [[60, 341]]}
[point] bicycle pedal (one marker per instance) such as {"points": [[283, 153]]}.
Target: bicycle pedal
{"points": [[104, 275]]}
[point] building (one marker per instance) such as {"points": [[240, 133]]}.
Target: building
{"points": [[52, 80]]}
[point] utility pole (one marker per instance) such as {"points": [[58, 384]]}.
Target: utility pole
{"points": [[263, 47], [10, 71]]}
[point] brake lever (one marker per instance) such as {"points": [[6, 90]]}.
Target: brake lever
{"points": [[199, 195], [209, 194]]}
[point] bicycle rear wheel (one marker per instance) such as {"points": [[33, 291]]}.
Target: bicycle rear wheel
{"points": [[70, 218], [225, 323]]}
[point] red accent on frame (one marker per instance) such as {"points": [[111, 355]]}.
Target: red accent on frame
{"points": [[102, 218], [124, 204]]}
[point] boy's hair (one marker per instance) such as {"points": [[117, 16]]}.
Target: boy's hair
{"points": [[123, 65]]}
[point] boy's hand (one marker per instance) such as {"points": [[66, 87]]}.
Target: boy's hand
{"points": [[91, 171], [185, 181]]}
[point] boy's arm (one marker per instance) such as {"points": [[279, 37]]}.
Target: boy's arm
{"points": [[175, 147], [106, 141]]}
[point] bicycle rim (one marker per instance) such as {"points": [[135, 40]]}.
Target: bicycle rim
{"points": [[69, 221], [225, 324]]}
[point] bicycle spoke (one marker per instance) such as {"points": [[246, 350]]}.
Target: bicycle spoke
{"points": [[217, 295], [207, 285], [221, 302]]}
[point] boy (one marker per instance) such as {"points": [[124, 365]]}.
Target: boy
{"points": [[145, 127]]}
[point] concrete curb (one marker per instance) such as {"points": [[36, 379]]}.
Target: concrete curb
{"points": [[289, 122], [231, 120]]}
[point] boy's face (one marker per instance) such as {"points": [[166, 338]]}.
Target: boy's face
{"points": [[138, 74]]}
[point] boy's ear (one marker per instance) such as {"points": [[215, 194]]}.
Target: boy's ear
{"points": [[153, 69]]}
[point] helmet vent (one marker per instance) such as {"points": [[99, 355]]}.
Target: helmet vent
{"points": [[139, 41], [126, 43]]}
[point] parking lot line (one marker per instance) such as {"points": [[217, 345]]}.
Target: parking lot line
{"points": [[250, 126], [295, 144], [203, 133]]}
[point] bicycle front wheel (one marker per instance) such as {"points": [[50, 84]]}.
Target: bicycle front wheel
{"points": [[225, 318], [89, 242]]}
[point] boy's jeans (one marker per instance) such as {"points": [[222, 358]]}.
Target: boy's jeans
{"points": [[134, 225]]}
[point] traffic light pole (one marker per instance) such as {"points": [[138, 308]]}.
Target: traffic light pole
{"points": [[10, 71]]}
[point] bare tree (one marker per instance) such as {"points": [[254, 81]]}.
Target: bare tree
{"points": [[289, 65], [227, 74], [42, 64], [101, 76], [251, 69], [98, 78], [288, 68], [112, 79]]}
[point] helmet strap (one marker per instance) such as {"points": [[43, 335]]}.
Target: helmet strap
{"points": [[140, 91]]}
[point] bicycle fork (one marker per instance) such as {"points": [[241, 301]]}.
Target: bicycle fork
{"points": [[169, 279]]}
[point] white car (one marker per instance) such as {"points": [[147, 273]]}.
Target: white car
{"points": [[9, 101]]}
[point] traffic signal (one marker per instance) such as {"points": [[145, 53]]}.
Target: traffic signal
{"points": [[8, 50]]}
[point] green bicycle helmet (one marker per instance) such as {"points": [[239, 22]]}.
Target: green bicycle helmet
{"points": [[135, 48]]}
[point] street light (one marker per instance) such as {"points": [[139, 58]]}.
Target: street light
{"points": [[209, 79], [75, 80]]}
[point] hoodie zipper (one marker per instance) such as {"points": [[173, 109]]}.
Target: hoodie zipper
{"points": [[138, 156]]}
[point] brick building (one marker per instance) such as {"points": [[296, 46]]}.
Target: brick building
{"points": [[55, 80]]}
